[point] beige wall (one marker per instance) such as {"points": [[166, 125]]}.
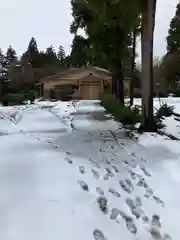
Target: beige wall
{"points": [[89, 87]]}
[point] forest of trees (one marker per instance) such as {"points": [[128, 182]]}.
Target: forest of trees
{"points": [[23, 72], [111, 28]]}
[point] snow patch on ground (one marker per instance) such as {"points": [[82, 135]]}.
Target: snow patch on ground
{"points": [[67, 176]]}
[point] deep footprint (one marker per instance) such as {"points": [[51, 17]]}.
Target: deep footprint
{"points": [[115, 213], [95, 173], [114, 192], [156, 221], [98, 235], [124, 186], [106, 176], [102, 202], [129, 183], [115, 169], [136, 211], [109, 172], [81, 169], [146, 173], [158, 201], [83, 185], [100, 191], [131, 226]]}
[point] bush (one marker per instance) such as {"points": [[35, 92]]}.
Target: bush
{"points": [[13, 99], [175, 92], [160, 94], [123, 114], [64, 94], [165, 111]]}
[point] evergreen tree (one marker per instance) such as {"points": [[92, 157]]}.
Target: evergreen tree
{"points": [[173, 38], [50, 52], [61, 55], [32, 53], [32, 47], [11, 56], [2, 59], [79, 51]]}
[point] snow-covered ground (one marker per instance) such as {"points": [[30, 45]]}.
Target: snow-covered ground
{"points": [[172, 124], [68, 172]]}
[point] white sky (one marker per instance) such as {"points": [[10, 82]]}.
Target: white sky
{"points": [[48, 22]]}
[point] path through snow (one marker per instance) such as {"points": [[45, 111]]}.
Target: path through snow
{"points": [[64, 176]]}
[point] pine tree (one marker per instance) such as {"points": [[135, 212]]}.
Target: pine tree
{"points": [[2, 59], [32, 54], [173, 38], [61, 55], [50, 52], [11, 56], [32, 47]]}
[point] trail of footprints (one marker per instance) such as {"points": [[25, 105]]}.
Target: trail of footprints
{"points": [[135, 205], [126, 185]]}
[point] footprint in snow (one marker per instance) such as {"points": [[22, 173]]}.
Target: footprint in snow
{"points": [[115, 169], [83, 185], [138, 201], [95, 173], [94, 163], [98, 235], [136, 210], [124, 186], [129, 221], [133, 174], [109, 172], [158, 201], [145, 219], [131, 226], [155, 232], [115, 213], [167, 237], [142, 183], [133, 154], [106, 176], [69, 160], [156, 221], [144, 160], [102, 202], [146, 173], [100, 191], [126, 162], [55, 146], [149, 192], [129, 183], [108, 162], [81, 169], [114, 192]]}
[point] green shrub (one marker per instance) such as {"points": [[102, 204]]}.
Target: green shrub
{"points": [[123, 114], [64, 94], [13, 99], [175, 92], [165, 111], [160, 94]]}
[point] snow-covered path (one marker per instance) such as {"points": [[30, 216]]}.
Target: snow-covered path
{"points": [[55, 181]]}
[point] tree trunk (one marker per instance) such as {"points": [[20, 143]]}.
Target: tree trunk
{"points": [[120, 82], [148, 22], [114, 84], [133, 68]]}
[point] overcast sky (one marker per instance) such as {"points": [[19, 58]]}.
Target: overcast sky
{"points": [[48, 21]]}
